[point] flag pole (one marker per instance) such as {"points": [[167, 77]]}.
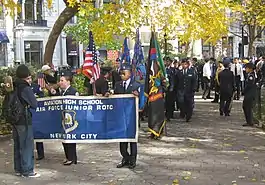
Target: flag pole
{"points": [[94, 88]]}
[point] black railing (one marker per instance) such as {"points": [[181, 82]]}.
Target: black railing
{"points": [[26, 22]]}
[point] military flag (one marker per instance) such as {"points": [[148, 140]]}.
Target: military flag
{"points": [[125, 57], [154, 83], [139, 70]]}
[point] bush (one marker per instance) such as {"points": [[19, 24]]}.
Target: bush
{"points": [[78, 83]]}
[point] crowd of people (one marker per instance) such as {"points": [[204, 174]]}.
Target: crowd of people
{"points": [[229, 78]]}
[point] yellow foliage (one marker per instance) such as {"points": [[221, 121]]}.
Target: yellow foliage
{"points": [[187, 20]]}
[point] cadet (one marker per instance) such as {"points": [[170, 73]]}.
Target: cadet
{"points": [[170, 95], [186, 81], [102, 86], [249, 94], [227, 87], [127, 86], [65, 90]]}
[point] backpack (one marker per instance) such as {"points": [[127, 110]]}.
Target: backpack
{"points": [[12, 109]]}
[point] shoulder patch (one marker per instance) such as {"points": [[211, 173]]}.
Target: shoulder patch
{"points": [[77, 94]]}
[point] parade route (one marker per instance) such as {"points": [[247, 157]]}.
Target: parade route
{"points": [[209, 150]]}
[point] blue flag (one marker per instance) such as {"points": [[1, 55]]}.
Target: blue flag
{"points": [[125, 52]]}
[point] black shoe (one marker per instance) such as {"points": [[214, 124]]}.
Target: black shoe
{"points": [[188, 120], [132, 164], [214, 101], [168, 120], [227, 114], [247, 125], [123, 163], [68, 163], [209, 97], [221, 113], [40, 158]]}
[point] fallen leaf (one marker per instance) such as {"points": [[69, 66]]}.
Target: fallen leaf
{"points": [[241, 177], [242, 151], [186, 177], [254, 180]]}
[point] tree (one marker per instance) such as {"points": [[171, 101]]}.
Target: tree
{"points": [[251, 15], [59, 24], [187, 20]]}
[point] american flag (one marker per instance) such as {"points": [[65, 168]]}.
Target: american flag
{"points": [[41, 80], [91, 68]]}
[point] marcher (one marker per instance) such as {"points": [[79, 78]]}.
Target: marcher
{"points": [[227, 87], [22, 130], [207, 79], [65, 90], [127, 86], [217, 83], [249, 94], [186, 86]]}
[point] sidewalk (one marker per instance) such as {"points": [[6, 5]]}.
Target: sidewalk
{"points": [[210, 150]]}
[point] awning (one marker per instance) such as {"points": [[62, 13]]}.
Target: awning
{"points": [[3, 37]]}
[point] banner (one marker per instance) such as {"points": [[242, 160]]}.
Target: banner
{"points": [[86, 119]]}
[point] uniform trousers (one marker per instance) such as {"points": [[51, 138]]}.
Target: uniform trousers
{"points": [[238, 86], [70, 151], [207, 87], [247, 108], [40, 149], [170, 104], [124, 151], [186, 108], [225, 101]]}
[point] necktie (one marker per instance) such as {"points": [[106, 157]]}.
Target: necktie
{"points": [[62, 92], [124, 86], [235, 70]]}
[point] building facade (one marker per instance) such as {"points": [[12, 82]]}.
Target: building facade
{"points": [[28, 33]]}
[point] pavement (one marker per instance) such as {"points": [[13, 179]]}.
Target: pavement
{"points": [[210, 150]]}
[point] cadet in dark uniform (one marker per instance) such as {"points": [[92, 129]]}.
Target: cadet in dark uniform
{"points": [[127, 86], [38, 94], [227, 87], [170, 94], [65, 90], [186, 81], [102, 86], [249, 94]]}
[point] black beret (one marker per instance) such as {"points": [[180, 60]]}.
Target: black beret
{"points": [[126, 66], [250, 65], [22, 71], [66, 73], [105, 70], [227, 60]]}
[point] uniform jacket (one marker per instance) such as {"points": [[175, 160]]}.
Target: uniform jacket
{"points": [[133, 86], [186, 82], [102, 86], [250, 86], [227, 81], [171, 72], [69, 91]]}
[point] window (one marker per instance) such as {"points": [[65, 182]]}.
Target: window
{"points": [[31, 10], [33, 52], [1, 12], [2, 54], [39, 10]]}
